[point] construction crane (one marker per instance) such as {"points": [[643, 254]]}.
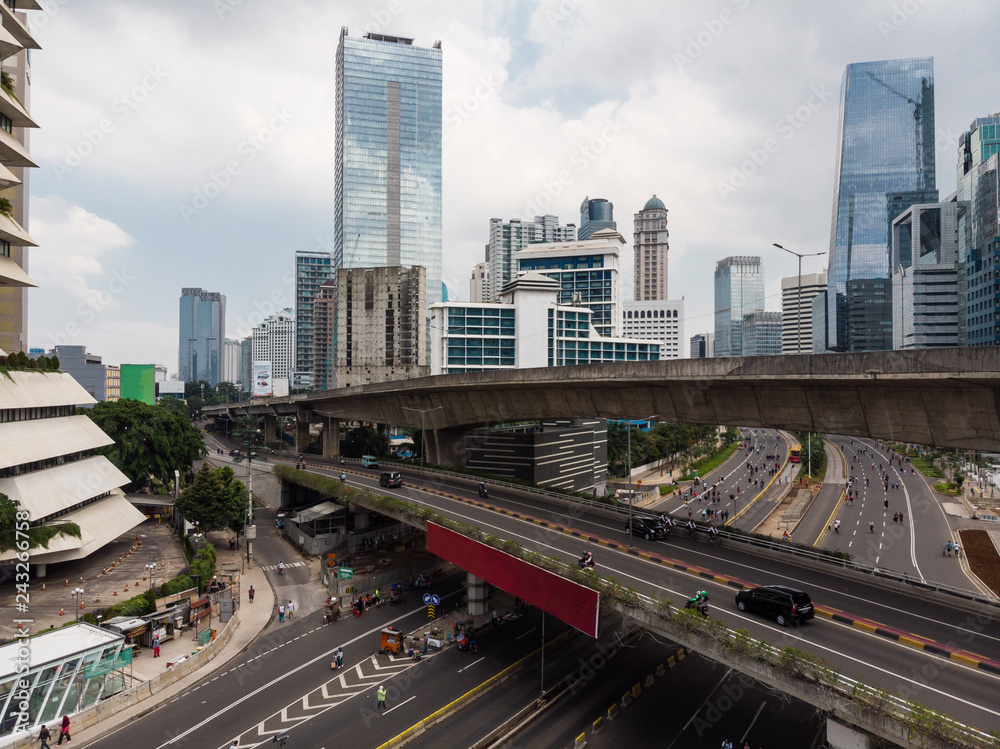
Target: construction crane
{"points": [[918, 112]]}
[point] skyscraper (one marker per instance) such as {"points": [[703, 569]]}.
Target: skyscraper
{"points": [[885, 164], [202, 336], [274, 341], [595, 215], [650, 245], [761, 334], [507, 238], [312, 269], [387, 203], [739, 290], [796, 312]]}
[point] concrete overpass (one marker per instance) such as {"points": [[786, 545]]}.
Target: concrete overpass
{"points": [[944, 397]]}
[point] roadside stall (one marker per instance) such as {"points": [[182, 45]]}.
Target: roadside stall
{"points": [[392, 641], [332, 610], [134, 630]]}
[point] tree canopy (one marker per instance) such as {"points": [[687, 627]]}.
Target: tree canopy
{"points": [[215, 500], [662, 440], [36, 535], [151, 442]]}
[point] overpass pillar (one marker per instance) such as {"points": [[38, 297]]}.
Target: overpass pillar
{"points": [[301, 433], [446, 447], [331, 439], [477, 594], [270, 429], [840, 736]]}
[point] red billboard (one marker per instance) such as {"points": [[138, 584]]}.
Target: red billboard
{"points": [[575, 604]]}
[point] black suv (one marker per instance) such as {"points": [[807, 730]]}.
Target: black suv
{"points": [[779, 601], [648, 528]]}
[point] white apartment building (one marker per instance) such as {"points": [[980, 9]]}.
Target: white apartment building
{"points": [[479, 284], [796, 312], [656, 320], [274, 341], [507, 238]]}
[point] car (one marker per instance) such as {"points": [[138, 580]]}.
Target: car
{"points": [[648, 528], [390, 479], [786, 605]]}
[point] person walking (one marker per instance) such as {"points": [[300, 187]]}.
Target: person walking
{"points": [[44, 736], [235, 744], [156, 646], [496, 618], [380, 697], [291, 610], [281, 613], [340, 657], [250, 594], [64, 731]]}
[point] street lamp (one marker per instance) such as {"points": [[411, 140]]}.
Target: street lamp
{"points": [[78, 595], [423, 442], [798, 300], [628, 467], [151, 571]]}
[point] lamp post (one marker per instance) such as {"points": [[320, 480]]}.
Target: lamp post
{"points": [[151, 571], [798, 299], [78, 595], [423, 442]]}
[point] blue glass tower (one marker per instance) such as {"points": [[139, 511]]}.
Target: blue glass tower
{"points": [[202, 335], [595, 214], [739, 291], [388, 155], [885, 164]]}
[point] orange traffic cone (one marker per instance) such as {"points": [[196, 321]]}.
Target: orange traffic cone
{"points": [[98, 599], [81, 604], [126, 587], [43, 586], [67, 584], [61, 612], [116, 592]]}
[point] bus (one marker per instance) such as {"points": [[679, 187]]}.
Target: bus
{"points": [[796, 454]]}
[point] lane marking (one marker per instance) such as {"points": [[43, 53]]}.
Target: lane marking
{"points": [[471, 664], [399, 705]]}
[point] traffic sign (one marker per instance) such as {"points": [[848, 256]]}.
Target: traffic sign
{"points": [[345, 573], [435, 600], [427, 597]]}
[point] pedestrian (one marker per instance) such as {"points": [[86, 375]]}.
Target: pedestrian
{"points": [[235, 744], [250, 594], [496, 619], [900, 517], [156, 646], [291, 610], [727, 744], [64, 731], [340, 657], [281, 613], [380, 696], [958, 549], [44, 736]]}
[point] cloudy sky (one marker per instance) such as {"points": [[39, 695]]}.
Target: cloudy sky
{"points": [[143, 106]]}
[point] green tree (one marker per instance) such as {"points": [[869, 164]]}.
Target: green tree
{"points": [[150, 442], [215, 500], [37, 535], [365, 440], [174, 405], [227, 392]]}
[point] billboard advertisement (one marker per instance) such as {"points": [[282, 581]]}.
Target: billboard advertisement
{"points": [[575, 604], [261, 378]]}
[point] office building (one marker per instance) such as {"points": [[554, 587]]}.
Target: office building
{"points": [[596, 214], [651, 246], [381, 326], [528, 328], [274, 341], [101, 381], [507, 238], [202, 334], [387, 201], [796, 311], [656, 320], [324, 337], [312, 269], [925, 276], [981, 311], [232, 361], [15, 161], [246, 363], [885, 163], [587, 272], [479, 284], [761, 334], [739, 290], [820, 309], [702, 346]]}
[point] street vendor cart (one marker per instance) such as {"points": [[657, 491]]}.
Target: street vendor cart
{"points": [[332, 610], [392, 641]]}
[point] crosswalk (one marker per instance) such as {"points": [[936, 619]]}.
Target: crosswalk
{"points": [[288, 566]]}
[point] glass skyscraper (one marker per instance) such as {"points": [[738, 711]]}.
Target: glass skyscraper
{"points": [[739, 291], [885, 164], [595, 215], [388, 155], [312, 270], [202, 336]]}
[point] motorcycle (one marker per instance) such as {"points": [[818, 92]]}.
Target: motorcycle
{"points": [[586, 562], [483, 492], [343, 477]]}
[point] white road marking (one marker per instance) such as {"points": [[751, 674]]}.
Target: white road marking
{"points": [[399, 705], [471, 664]]}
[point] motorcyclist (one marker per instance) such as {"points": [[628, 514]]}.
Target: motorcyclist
{"points": [[281, 568], [586, 561], [482, 489], [343, 477], [696, 601]]}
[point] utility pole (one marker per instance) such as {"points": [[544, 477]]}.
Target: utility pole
{"points": [[423, 440]]}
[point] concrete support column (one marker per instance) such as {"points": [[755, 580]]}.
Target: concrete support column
{"points": [[477, 594], [270, 429], [361, 517], [840, 736], [331, 438], [39, 570], [301, 433], [446, 447]]}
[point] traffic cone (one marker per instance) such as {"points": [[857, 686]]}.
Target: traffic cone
{"points": [[43, 586], [98, 599], [61, 612], [126, 587], [116, 592], [81, 580], [67, 584], [81, 604]]}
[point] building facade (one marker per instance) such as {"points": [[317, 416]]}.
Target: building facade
{"points": [[796, 311], [650, 243], [982, 289], [202, 336], [739, 291], [246, 363], [656, 320], [819, 323], [528, 328], [587, 272], [702, 346], [324, 337], [138, 383], [761, 334], [312, 270], [274, 341], [507, 238], [15, 163], [387, 200], [479, 284], [885, 163], [596, 214], [380, 325], [232, 362], [101, 381]]}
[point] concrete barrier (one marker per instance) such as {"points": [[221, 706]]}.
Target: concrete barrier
{"points": [[649, 681], [613, 711], [598, 726], [637, 689], [626, 699], [581, 741], [660, 670]]}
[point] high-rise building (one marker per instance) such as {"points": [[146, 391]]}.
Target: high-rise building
{"points": [[761, 334], [650, 245], [657, 320], [925, 276], [387, 202], [380, 325], [479, 284], [507, 238], [312, 269], [101, 381], [885, 163], [981, 312], [702, 346], [231, 362], [202, 336], [324, 337], [587, 272], [739, 290], [796, 312], [819, 323], [246, 363], [15, 159], [274, 341], [596, 214]]}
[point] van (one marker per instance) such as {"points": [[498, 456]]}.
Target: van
{"points": [[390, 479], [369, 461]]}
